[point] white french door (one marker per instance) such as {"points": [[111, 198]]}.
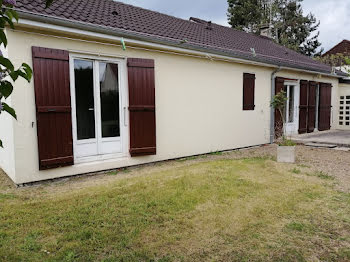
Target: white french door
{"points": [[291, 108], [98, 108]]}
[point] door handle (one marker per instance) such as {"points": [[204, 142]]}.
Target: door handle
{"points": [[91, 109], [124, 116]]}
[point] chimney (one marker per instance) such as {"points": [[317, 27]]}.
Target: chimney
{"points": [[209, 27], [208, 24], [266, 31]]}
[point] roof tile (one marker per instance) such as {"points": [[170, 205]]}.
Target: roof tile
{"points": [[164, 27]]}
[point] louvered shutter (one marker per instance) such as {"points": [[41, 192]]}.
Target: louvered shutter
{"points": [[311, 120], [303, 106], [325, 107], [53, 107], [279, 86], [248, 91], [142, 107]]}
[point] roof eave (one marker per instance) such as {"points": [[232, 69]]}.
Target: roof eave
{"points": [[160, 40]]}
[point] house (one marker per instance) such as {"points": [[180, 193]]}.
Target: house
{"points": [[116, 85], [344, 83], [343, 48]]}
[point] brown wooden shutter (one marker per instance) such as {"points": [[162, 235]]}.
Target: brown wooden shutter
{"points": [[325, 107], [53, 107], [248, 91], [279, 86], [142, 107], [311, 107], [303, 106]]}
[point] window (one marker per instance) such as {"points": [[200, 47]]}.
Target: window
{"points": [[289, 108], [344, 110], [109, 94], [291, 104], [248, 91], [85, 99], [97, 107], [84, 94]]}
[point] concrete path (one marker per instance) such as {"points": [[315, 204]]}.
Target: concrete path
{"points": [[333, 137]]}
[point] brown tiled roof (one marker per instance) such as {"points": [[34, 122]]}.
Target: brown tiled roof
{"points": [[152, 26], [342, 48]]}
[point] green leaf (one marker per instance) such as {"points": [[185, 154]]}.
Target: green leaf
{"points": [[347, 60], [2, 23], [14, 14], [14, 75], [22, 74], [6, 88], [1, 145], [9, 21], [6, 63], [28, 71], [3, 37], [9, 110], [9, 14]]}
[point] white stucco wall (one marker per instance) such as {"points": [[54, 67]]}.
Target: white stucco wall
{"points": [[198, 107], [7, 156], [344, 89]]}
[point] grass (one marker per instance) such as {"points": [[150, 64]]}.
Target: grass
{"points": [[287, 142], [321, 175], [295, 170], [222, 210]]}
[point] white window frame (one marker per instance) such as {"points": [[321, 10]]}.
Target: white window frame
{"points": [[293, 127], [288, 103], [123, 107]]}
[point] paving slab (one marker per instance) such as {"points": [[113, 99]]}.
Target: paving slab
{"points": [[334, 137], [321, 145], [342, 148]]}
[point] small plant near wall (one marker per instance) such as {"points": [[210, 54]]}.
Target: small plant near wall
{"points": [[286, 147], [279, 103]]}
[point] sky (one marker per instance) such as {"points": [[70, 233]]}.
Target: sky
{"points": [[334, 15]]}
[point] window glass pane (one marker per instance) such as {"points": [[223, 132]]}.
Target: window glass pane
{"points": [[291, 104], [84, 98], [109, 100], [285, 109]]}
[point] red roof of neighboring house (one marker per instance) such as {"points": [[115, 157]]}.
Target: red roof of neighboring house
{"points": [[125, 20], [342, 48]]}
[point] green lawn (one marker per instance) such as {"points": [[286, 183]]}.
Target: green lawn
{"points": [[219, 210]]}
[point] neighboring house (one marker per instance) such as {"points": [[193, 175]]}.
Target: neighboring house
{"points": [[342, 48], [344, 84], [180, 88]]}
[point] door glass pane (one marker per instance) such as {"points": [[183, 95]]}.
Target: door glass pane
{"points": [[291, 104], [110, 114], [285, 109], [84, 98]]}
